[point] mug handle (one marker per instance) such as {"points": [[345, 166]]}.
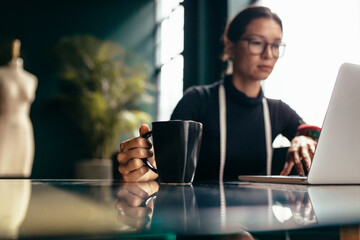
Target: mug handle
{"points": [[145, 160], [147, 200]]}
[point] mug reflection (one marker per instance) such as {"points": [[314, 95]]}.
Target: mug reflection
{"points": [[176, 209], [148, 206]]}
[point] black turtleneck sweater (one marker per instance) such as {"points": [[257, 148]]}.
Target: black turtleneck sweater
{"points": [[246, 147]]}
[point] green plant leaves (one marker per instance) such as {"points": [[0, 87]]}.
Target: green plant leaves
{"points": [[102, 90]]}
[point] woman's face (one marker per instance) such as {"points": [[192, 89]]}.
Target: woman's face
{"points": [[256, 65]]}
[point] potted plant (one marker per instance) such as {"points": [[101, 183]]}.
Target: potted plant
{"points": [[103, 89]]}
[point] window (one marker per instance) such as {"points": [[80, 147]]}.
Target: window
{"points": [[169, 60], [319, 35]]}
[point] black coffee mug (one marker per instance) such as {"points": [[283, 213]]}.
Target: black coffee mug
{"points": [[177, 147]]}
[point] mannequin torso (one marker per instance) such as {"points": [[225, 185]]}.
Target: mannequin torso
{"points": [[17, 92]]}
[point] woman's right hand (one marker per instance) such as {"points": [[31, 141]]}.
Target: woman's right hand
{"points": [[131, 167]]}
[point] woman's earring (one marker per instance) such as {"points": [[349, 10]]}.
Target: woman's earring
{"points": [[229, 67]]}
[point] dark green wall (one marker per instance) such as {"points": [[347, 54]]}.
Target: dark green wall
{"points": [[40, 25], [205, 22]]}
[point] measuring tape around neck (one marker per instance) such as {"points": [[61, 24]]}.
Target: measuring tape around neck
{"points": [[223, 129]]}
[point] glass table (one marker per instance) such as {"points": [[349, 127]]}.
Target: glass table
{"points": [[105, 209]]}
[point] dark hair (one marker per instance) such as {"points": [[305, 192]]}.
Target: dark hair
{"points": [[237, 26]]}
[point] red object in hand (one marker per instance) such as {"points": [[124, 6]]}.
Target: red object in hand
{"points": [[309, 130]]}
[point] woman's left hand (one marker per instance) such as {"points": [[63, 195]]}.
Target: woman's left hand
{"points": [[300, 155]]}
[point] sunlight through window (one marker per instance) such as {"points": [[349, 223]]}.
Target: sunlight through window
{"points": [[170, 62]]}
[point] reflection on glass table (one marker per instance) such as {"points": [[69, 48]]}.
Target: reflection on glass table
{"points": [[135, 204], [96, 209], [301, 209], [14, 200]]}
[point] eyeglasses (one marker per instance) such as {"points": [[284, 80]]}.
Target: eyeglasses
{"points": [[258, 46]]}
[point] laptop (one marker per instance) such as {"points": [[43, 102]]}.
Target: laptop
{"points": [[337, 155]]}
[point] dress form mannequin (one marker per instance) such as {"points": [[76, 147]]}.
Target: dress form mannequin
{"points": [[17, 92]]}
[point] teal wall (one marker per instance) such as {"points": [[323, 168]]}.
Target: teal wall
{"points": [[234, 6], [40, 25], [204, 24]]}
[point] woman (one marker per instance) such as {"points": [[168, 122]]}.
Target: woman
{"points": [[239, 122]]}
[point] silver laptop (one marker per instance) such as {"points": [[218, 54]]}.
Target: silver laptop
{"points": [[337, 155]]}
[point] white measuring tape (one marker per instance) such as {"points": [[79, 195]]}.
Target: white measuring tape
{"points": [[222, 118]]}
